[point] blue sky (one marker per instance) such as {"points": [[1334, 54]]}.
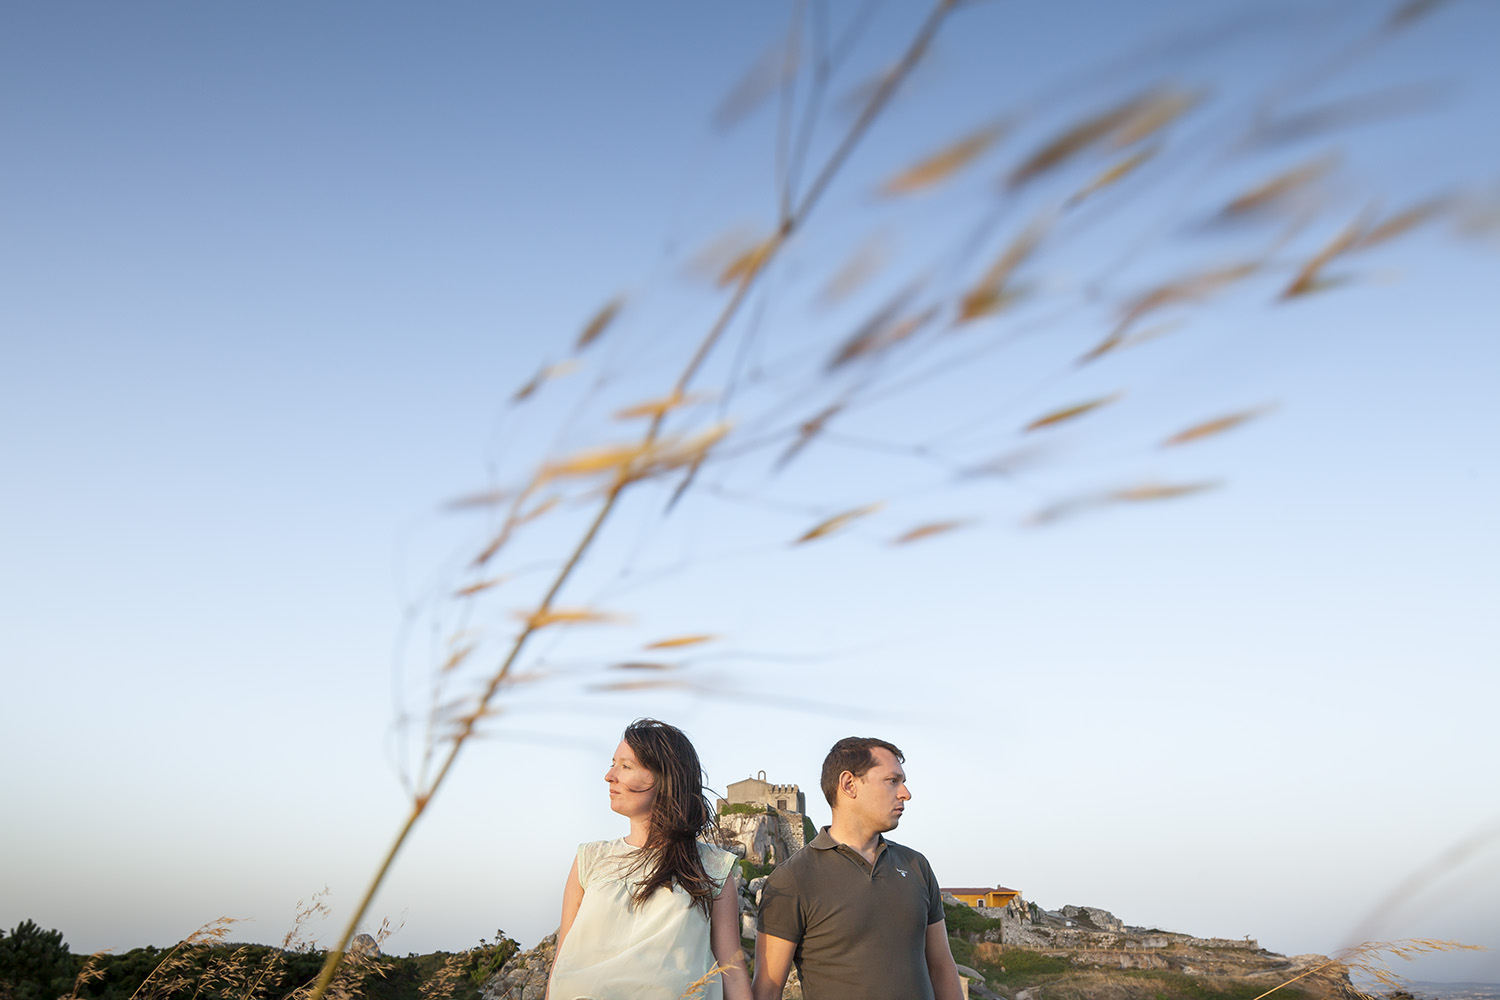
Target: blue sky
{"points": [[273, 275]]}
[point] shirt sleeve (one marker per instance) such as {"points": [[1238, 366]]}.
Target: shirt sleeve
{"points": [[780, 906], [935, 911], [717, 864], [586, 857]]}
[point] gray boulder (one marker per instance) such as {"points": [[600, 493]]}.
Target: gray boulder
{"points": [[364, 945], [1094, 919]]}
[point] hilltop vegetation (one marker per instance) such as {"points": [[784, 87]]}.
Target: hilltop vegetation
{"points": [[38, 965]]}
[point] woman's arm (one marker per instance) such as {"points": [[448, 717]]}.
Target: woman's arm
{"points": [[572, 899], [724, 938]]}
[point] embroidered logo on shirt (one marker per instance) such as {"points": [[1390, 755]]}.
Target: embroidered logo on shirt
{"points": [[902, 871]]}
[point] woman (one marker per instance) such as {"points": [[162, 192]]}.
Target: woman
{"points": [[646, 917]]}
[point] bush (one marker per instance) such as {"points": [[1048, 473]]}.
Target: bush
{"points": [[740, 808], [967, 920], [489, 958], [750, 870]]}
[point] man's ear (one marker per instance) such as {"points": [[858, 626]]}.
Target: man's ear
{"points": [[848, 784]]}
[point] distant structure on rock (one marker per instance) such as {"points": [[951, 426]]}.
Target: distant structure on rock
{"points": [[984, 898], [761, 821], [757, 791]]}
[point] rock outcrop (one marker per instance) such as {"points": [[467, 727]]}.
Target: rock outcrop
{"points": [[762, 838], [1092, 918], [524, 977], [751, 835], [1091, 937], [750, 906], [364, 945], [1087, 928]]}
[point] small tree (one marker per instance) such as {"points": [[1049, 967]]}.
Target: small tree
{"points": [[490, 957], [34, 964]]}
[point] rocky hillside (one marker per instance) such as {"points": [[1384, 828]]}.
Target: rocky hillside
{"points": [[524, 977], [761, 835], [1025, 952]]}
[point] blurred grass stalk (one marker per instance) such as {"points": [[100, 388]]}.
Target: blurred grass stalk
{"points": [[626, 474]]}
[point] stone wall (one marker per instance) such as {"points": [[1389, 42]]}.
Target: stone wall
{"points": [[1242, 944], [1121, 959], [791, 795], [792, 833]]}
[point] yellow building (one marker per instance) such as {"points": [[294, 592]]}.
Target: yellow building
{"points": [[998, 896]]}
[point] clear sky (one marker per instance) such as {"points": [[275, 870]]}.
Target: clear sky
{"points": [[272, 274]]}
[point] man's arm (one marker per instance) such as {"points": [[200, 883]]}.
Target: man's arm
{"points": [[940, 965], [773, 963]]}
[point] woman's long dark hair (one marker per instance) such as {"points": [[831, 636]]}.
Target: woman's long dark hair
{"points": [[680, 813]]}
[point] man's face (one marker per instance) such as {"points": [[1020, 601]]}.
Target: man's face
{"points": [[880, 794]]}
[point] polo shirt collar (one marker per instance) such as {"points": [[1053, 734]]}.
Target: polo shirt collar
{"points": [[824, 841]]}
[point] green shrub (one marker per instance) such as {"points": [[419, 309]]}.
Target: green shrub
{"points": [[750, 870], [740, 808], [1021, 963], [967, 920], [490, 957]]}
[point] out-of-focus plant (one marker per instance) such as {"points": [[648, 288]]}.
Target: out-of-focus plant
{"points": [[1014, 274], [1371, 961], [206, 966]]}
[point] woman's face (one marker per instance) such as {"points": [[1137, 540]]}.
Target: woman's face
{"points": [[632, 788]]}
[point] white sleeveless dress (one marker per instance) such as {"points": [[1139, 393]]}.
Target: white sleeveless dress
{"points": [[653, 951]]}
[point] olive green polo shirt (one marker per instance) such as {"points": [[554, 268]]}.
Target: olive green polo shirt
{"points": [[860, 929]]}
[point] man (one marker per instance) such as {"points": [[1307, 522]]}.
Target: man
{"points": [[861, 917]]}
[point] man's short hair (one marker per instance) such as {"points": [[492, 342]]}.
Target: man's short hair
{"points": [[854, 754]]}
